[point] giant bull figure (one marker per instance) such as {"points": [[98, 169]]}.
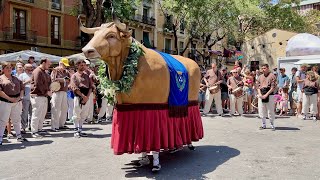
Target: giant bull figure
{"points": [[140, 121]]}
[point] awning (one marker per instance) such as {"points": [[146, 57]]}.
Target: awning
{"points": [[146, 41], [308, 61], [24, 56]]}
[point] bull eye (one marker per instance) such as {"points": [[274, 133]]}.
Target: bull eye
{"points": [[111, 36]]}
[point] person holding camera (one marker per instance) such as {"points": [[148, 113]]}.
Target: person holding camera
{"points": [[59, 101], [266, 84]]}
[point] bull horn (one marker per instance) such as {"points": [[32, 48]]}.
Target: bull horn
{"points": [[87, 30], [121, 26]]}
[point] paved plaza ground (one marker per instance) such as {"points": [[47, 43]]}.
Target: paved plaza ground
{"points": [[233, 148]]}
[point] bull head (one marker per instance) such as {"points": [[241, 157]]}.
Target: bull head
{"points": [[111, 42]]}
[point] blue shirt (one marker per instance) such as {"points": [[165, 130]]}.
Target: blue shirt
{"points": [[283, 80], [70, 94]]}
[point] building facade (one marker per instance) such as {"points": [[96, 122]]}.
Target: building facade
{"points": [[40, 25], [266, 48], [307, 5]]}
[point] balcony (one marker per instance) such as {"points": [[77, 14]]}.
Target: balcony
{"points": [[168, 27], [27, 36], [55, 6], [144, 19]]}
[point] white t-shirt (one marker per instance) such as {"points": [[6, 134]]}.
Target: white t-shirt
{"points": [[27, 88], [302, 76]]}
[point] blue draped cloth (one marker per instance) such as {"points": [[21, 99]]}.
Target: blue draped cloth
{"points": [[179, 87]]}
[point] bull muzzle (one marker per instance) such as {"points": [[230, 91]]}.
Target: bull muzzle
{"points": [[90, 52]]}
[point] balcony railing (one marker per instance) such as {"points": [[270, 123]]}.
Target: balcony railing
{"points": [[144, 19], [168, 27], [55, 6], [10, 34], [30, 1]]}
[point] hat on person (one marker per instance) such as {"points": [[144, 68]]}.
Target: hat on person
{"points": [[233, 70], [87, 62], [64, 61], [304, 65]]}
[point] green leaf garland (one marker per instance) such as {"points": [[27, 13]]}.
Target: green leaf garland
{"points": [[109, 88]]}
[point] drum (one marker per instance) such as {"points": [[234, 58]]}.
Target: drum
{"points": [[214, 89], [55, 86], [238, 92]]}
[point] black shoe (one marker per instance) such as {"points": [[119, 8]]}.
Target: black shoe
{"points": [[191, 147], [156, 168], [64, 127], [175, 150], [23, 131], [0, 142], [83, 134], [22, 139], [262, 127]]}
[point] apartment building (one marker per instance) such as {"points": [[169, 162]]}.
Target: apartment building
{"points": [[41, 25], [307, 5]]}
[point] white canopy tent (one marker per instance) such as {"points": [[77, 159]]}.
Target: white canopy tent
{"points": [[24, 56]]}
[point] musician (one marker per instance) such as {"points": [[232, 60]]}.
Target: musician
{"points": [[310, 96], [59, 101], [300, 77], [213, 79], [11, 94], [235, 86], [266, 84], [40, 83], [82, 87], [93, 79]]}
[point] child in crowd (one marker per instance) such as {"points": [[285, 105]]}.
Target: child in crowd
{"points": [[284, 101]]}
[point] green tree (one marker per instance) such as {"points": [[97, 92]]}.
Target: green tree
{"points": [[99, 11]]}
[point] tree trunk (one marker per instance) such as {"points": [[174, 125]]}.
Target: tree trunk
{"points": [[186, 47]]}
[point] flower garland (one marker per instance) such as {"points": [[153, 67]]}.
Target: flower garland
{"points": [[109, 88]]}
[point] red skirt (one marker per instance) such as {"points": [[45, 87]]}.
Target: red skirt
{"points": [[140, 128]]}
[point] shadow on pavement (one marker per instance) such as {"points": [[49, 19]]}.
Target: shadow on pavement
{"points": [[9, 147], [185, 164], [287, 129]]}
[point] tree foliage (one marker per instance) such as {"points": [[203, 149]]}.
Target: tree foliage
{"points": [[99, 11]]}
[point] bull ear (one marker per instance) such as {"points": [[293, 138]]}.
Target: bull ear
{"points": [[126, 34], [87, 30]]}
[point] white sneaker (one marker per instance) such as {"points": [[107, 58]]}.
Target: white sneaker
{"points": [[156, 168], [144, 161], [314, 119], [304, 117], [272, 127]]}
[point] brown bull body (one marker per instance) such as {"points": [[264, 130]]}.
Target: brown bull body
{"points": [[141, 121], [152, 84]]}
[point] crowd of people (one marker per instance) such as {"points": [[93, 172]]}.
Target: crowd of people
{"points": [[263, 91], [29, 91]]}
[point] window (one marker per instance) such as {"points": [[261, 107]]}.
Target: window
{"points": [[145, 14], [19, 24], [56, 4], [181, 46], [146, 40], [182, 27], [55, 30], [167, 45]]}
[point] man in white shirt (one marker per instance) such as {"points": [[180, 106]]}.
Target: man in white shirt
{"points": [[26, 104], [300, 77]]}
